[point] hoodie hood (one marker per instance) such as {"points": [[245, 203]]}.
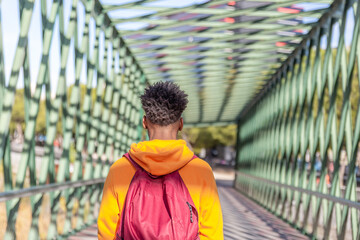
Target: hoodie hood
{"points": [[160, 157]]}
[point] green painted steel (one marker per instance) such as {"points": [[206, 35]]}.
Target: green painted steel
{"points": [[302, 132], [293, 137], [100, 116], [185, 44]]}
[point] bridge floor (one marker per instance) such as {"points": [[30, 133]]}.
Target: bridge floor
{"points": [[243, 219]]}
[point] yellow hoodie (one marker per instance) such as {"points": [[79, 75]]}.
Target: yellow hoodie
{"points": [[160, 157]]}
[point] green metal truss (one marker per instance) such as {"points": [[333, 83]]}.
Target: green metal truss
{"points": [[100, 131], [226, 56], [308, 114], [230, 35]]}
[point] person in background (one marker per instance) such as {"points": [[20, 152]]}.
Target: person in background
{"points": [[163, 154]]}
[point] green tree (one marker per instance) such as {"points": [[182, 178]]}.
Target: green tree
{"points": [[210, 137], [18, 115]]}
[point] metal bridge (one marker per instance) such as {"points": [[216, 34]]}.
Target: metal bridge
{"points": [[285, 71]]}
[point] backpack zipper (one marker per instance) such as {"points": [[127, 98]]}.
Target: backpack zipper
{"points": [[191, 212]]}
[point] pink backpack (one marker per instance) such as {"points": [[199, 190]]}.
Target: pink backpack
{"points": [[157, 207]]}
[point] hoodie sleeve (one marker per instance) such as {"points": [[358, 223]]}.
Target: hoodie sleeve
{"points": [[115, 188], [108, 215], [211, 221], [199, 180]]}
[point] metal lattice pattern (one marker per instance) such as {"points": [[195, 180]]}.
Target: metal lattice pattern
{"points": [[220, 52], [296, 136], [105, 125]]}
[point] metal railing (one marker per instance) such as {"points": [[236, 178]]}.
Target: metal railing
{"points": [[97, 105], [28, 192], [298, 149]]}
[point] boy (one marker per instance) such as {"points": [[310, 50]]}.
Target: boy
{"points": [[163, 154]]}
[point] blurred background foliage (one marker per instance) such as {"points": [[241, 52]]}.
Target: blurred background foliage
{"points": [[210, 137]]}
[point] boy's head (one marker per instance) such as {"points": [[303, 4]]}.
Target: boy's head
{"points": [[163, 103]]}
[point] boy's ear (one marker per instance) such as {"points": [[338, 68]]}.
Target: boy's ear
{"points": [[181, 124], [144, 122]]}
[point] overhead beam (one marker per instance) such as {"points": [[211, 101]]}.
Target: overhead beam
{"points": [[209, 33], [215, 45], [238, 12], [166, 11]]}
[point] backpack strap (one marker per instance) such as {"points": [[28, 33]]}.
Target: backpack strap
{"points": [[137, 166]]}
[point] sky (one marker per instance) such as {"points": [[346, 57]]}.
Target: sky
{"points": [[10, 32]]}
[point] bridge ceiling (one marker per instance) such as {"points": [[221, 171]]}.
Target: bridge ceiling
{"points": [[220, 52]]}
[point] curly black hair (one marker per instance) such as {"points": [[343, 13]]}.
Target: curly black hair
{"points": [[163, 103]]}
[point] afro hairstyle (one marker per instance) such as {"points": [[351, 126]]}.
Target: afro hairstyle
{"points": [[163, 103]]}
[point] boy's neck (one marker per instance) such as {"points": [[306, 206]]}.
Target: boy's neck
{"points": [[162, 133]]}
